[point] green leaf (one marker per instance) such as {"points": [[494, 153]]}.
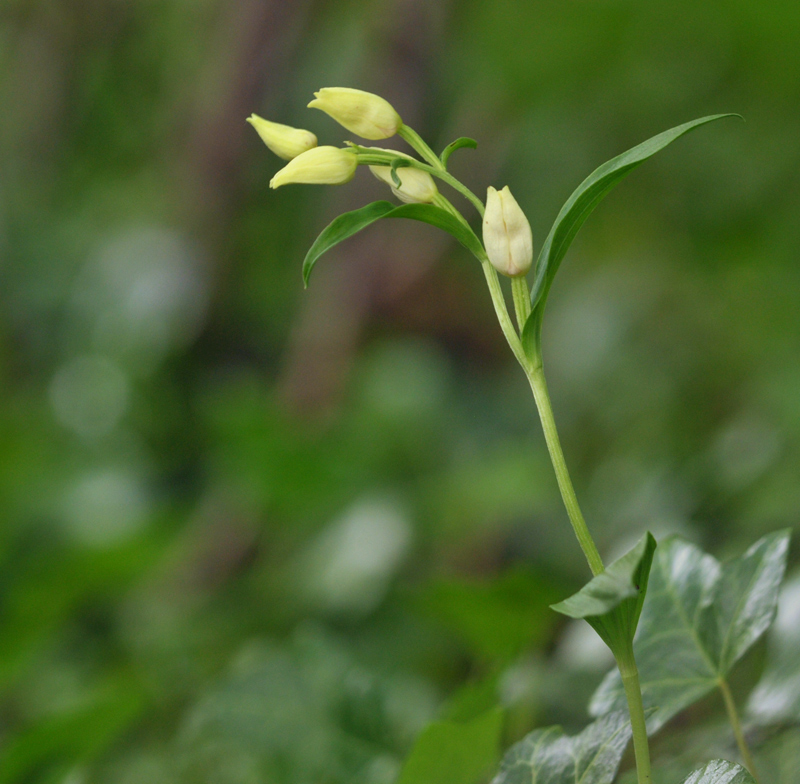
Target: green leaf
{"points": [[340, 229], [578, 208], [398, 163], [612, 601], [699, 619], [436, 216], [351, 223], [550, 757], [776, 698], [450, 753], [720, 772], [463, 141]]}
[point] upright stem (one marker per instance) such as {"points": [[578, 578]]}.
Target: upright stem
{"points": [[542, 398], [633, 693], [522, 300], [733, 717]]}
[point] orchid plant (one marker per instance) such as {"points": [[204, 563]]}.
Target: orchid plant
{"points": [[675, 619]]}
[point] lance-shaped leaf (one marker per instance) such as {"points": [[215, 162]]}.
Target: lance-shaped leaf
{"points": [[612, 601], [699, 619], [351, 223], [578, 208], [720, 772], [448, 752], [550, 757]]}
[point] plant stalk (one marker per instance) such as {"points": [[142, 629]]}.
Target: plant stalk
{"points": [[499, 302], [420, 145], [542, 398], [522, 300], [733, 717], [633, 693]]}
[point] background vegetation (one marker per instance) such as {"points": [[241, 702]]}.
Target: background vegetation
{"points": [[254, 534]]}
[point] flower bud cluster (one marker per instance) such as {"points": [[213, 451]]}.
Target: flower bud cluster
{"points": [[506, 231], [362, 113]]}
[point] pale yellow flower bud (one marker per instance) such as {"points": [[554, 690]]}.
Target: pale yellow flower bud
{"points": [[417, 187], [507, 234], [364, 114], [318, 166], [286, 142]]}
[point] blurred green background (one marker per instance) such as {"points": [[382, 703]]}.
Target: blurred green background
{"points": [[252, 534]]}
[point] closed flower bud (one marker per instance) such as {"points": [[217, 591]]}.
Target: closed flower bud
{"points": [[286, 142], [364, 114], [507, 234], [318, 166], [417, 187]]}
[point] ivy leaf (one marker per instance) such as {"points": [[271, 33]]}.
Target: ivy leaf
{"points": [[463, 141], [550, 757], [699, 619], [447, 752], [776, 698], [720, 772], [612, 601], [577, 209], [351, 223]]}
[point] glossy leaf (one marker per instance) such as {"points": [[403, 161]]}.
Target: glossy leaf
{"points": [[578, 208], [463, 141], [351, 223], [447, 752], [776, 698], [720, 772], [550, 757], [699, 619], [612, 601]]}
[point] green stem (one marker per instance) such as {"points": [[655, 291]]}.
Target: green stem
{"points": [[542, 398], [369, 156], [499, 302], [633, 693], [453, 183], [420, 145], [522, 300], [733, 717]]}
